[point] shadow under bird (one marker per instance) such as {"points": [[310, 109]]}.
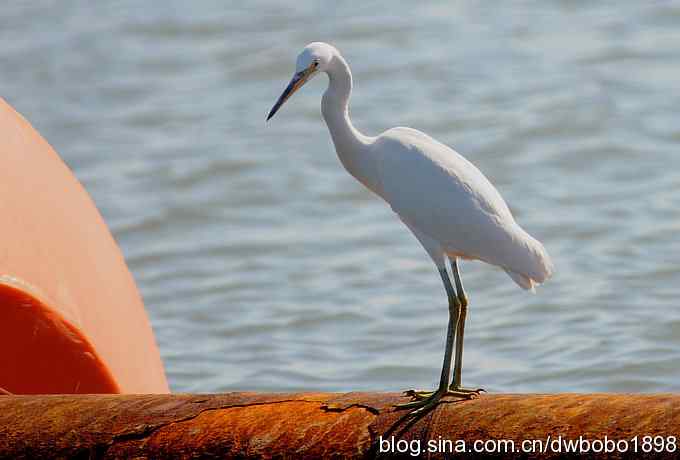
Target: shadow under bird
{"points": [[448, 204]]}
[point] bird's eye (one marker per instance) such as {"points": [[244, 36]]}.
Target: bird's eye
{"points": [[315, 64]]}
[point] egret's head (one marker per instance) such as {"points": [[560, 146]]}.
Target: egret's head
{"points": [[315, 58]]}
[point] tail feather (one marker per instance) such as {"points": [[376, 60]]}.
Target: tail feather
{"points": [[523, 281], [532, 264], [522, 256]]}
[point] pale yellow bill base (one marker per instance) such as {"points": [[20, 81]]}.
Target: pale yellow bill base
{"points": [[298, 80]]}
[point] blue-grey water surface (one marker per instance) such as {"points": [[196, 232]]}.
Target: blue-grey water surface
{"points": [[265, 266]]}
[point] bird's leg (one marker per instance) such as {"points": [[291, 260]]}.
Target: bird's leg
{"points": [[450, 337], [424, 400], [460, 332]]}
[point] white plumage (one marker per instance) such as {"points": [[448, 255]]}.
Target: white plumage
{"points": [[449, 205], [452, 207]]}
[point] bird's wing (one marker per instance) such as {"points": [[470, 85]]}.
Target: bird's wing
{"points": [[441, 194]]}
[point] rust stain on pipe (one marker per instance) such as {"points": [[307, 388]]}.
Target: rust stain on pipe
{"points": [[314, 425]]}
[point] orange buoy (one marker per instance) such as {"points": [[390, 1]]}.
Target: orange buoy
{"points": [[71, 317]]}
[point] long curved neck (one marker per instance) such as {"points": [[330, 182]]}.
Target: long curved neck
{"points": [[352, 147]]}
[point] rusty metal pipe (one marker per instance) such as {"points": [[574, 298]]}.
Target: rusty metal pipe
{"points": [[320, 425]]}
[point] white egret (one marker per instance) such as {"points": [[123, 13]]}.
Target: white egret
{"points": [[448, 204]]}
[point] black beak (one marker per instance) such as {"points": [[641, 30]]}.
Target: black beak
{"points": [[298, 80]]}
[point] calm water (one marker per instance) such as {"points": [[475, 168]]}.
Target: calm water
{"points": [[265, 266]]}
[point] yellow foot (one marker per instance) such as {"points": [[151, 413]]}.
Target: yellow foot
{"points": [[418, 395], [423, 401], [467, 393], [476, 391]]}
